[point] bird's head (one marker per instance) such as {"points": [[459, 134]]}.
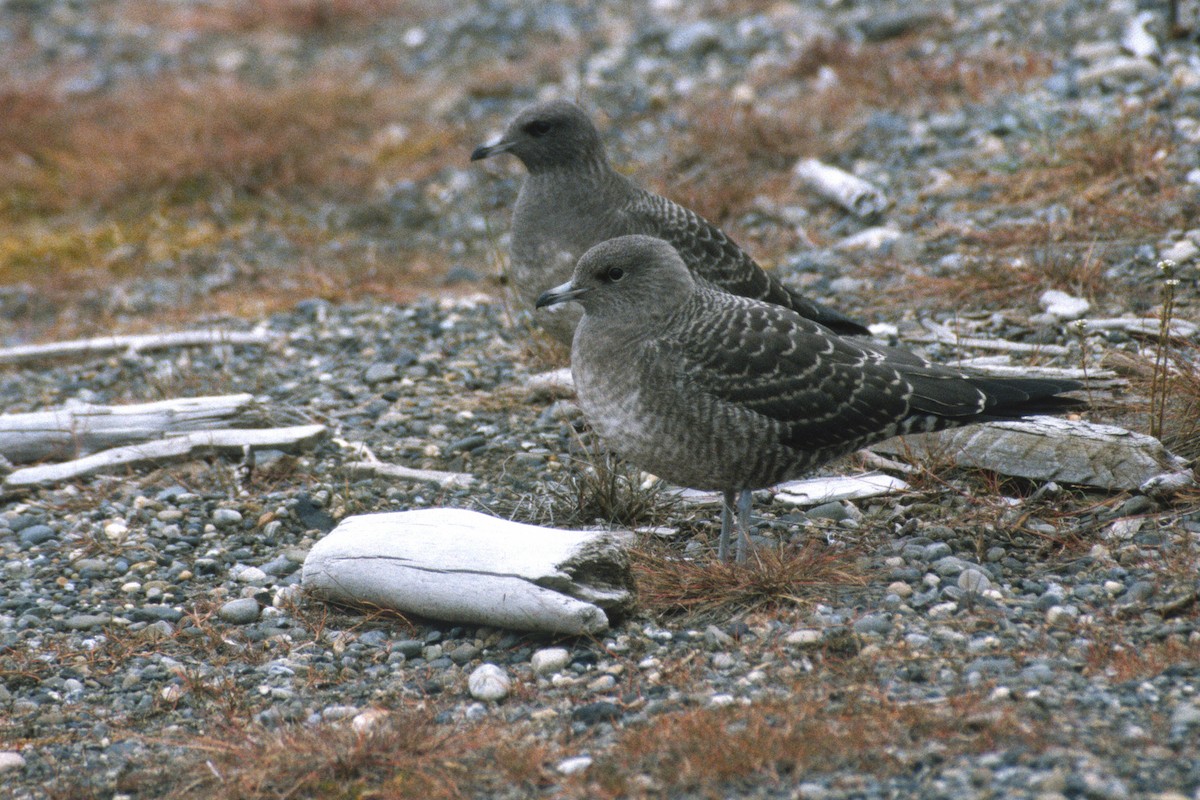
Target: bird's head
{"points": [[638, 275], [552, 135]]}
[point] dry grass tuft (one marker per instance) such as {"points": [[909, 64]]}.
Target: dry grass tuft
{"points": [[403, 754], [1124, 661], [607, 488], [176, 144], [705, 752], [276, 16], [769, 578]]}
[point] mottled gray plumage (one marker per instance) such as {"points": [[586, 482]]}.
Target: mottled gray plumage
{"points": [[573, 199], [714, 391]]}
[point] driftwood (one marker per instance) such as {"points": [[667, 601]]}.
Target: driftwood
{"points": [[1142, 326], [1047, 449], [102, 345], [463, 566], [814, 491], [555, 384], [946, 335], [80, 429], [384, 470], [860, 198], [175, 447]]}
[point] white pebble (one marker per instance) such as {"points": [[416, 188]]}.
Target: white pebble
{"points": [[368, 719], [1062, 305], [900, 589], [719, 700], [1181, 252], [1057, 616], [803, 636], [571, 766], [10, 761], [550, 660], [942, 610], [489, 682], [603, 683]]}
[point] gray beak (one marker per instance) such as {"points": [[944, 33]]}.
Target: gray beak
{"points": [[559, 294], [487, 150]]}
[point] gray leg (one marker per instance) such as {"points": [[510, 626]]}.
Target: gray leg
{"points": [[726, 527], [743, 523]]}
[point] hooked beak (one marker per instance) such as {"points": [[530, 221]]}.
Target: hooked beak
{"points": [[559, 294], [487, 150]]}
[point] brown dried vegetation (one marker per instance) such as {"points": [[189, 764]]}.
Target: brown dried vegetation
{"points": [[769, 578], [706, 751], [1125, 661]]}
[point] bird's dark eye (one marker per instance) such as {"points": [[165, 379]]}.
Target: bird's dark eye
{"points": [[539, 127], [615, 274]]}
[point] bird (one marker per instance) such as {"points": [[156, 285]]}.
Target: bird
{"points": [[714, 391], [572, 198]]}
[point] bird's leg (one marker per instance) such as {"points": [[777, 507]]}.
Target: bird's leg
{"points": [[726, 526], [743, 523]]}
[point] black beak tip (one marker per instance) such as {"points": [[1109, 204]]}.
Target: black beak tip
{"points": [[545, 299], [481, 152]]}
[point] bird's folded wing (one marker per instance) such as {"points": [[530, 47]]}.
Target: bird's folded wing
{"points": [[766, 361]]}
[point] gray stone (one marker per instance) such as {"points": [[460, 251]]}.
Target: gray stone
{"points": [[37, 534], [241, 611]]}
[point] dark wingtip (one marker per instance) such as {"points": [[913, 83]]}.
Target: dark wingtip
{"points": [[846, 327]]}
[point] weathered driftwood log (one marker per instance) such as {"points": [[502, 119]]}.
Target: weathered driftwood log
{"points": [[102, 345], [80, 429], [175, 447], [400, 472], [860, 198], [1047, 449], [463, 566]]}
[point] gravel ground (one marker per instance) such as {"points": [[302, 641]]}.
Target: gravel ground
{"points": [[1001, 640]]}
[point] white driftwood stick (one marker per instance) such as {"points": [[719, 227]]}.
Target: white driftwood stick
{"points": [[852, 193], [814, 491], [176, 447], [112, 344], [944, 335], [557, 383], [1048, 449], [463, 566], [77, 430], [1141, 326], [383, 470]]}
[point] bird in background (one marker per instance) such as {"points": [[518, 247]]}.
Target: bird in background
{"points": [[714, 391], [573, 199]]}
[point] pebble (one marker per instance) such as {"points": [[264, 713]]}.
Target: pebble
{"points": [[489, 683], [550, 659], [241, 611], [226, 517], [10, 761], [1062, 306], [37, 534]]}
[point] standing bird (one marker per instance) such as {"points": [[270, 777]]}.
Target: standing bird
{"points": [[573, 199], [718, 392]]}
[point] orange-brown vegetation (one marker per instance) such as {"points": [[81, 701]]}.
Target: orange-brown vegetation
{"points": [[769, 578], [1126, 661], [703, 752]]}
